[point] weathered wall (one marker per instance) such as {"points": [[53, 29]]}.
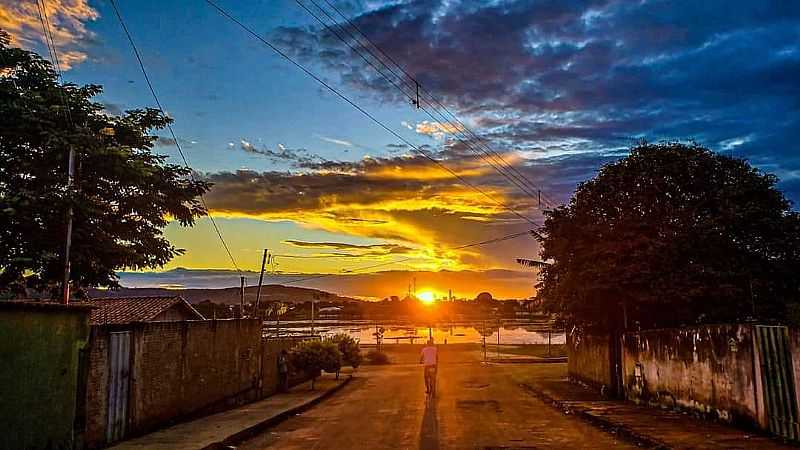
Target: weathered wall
{"points": [[270, 350], [181, 368], [588, 359], [39, 365], [708, 369], [96, 388]]}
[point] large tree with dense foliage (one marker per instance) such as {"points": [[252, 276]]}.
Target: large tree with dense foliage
{"points": [[123, 194], [673, 234]]}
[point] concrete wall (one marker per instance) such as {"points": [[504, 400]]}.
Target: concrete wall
{"points": [[588, 359], [707, 369], [40, 362], [181, 370]]}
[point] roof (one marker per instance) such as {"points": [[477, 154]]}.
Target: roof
{"points": [[118, 310]]}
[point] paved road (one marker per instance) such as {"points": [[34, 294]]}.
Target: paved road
{"points": [[477, 407]]}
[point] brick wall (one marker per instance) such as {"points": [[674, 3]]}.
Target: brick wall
{"points": [[184, 368], [271, 348], [181, 370], [96, 388]]}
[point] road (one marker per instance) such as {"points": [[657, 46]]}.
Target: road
{"points": [[477, 407]]}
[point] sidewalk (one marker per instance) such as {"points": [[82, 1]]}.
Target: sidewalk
{"points": [[232, 426], [646, 426]]}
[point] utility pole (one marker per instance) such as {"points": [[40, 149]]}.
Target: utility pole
{"points": [[498, 338], [484, 340], [68, 237], [313, 300], [260, 280], [241, 297]]}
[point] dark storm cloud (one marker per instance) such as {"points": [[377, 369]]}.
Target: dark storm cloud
{"points": [[589, 77]]}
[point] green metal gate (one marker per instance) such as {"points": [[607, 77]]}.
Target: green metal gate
{"points": [[777, 379]]}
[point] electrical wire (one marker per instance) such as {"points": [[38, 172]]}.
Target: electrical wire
{"points": [[402, 260], [414, 84], [419, 150], [172, 133], [494, 159]]}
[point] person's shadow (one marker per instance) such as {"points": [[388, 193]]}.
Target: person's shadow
{"points": [[429, 433]]}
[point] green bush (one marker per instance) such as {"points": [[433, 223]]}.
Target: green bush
{"points": [[312, 357], [349, 347], [377, 358]]}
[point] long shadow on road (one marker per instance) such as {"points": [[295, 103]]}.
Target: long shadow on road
{"points": [[429, 432]]}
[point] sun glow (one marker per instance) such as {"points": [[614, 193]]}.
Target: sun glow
{"points": [[426, 297]]}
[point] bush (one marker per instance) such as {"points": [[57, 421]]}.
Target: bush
{"points": [[377, 358], [349, 348], [312, 357]]}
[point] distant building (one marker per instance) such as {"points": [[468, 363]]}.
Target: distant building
{"points": [[119, 310], [330, 312]]}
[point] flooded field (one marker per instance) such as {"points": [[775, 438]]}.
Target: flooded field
{"points": [[510, 332]]}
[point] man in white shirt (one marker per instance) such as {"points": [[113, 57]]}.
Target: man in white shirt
{"points": [[429, 358]]}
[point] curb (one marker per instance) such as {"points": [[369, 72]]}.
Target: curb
{"points": [[621, 430], [534, 360], [247, 433]]}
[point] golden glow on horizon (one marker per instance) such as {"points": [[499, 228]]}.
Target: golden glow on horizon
{"points": [[427, 297]]}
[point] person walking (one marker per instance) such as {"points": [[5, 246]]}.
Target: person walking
{"points": [[429, 358], [283, 371]]}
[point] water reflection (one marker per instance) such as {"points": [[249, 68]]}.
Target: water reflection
{"points": [[364, 331]]}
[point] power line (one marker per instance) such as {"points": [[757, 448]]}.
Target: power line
{"points": [[500, 165], [415, 84], [172, 133], [402, 260], [420, 151]]}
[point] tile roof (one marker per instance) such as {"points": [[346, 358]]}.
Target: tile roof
{"points": [[117, 310]]}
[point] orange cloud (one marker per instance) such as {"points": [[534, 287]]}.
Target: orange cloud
{"points": [[67, 24], [437, 129]]}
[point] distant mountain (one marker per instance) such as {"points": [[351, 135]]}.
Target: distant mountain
{"points": [[269, 293], [502, 283]]}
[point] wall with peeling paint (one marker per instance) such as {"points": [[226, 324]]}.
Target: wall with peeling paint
{"points": [[588, 359], [706, 369]]}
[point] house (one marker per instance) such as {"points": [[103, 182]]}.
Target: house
{"points": [[120, 310], [330, 312]]}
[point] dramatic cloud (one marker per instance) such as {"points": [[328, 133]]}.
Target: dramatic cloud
{"points": [[416, 208], [437, 130], [555, 78], [354, 250], [67, 20]]}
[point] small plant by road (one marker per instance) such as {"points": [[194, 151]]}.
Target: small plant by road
{"points": [[312, 357], [377, 358], [349, 348]]}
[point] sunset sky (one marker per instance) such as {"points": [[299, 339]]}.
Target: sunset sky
{"points": [[558, 87]]}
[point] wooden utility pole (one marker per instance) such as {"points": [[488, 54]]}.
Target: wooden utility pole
{"points": [[68, 237], [241, 297], [312, 315], [261, 280]]}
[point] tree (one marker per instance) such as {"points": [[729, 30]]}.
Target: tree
{"points": [[349, 348], [312, 357], [671, 235], [123, 194]]}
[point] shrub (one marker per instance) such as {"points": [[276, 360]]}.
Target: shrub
{"points": [[312, 357], [349, 348], [377, 358]]}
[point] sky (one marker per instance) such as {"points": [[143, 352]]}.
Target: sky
{"points": [[557, 88]]}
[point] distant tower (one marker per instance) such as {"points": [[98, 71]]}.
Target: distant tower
{"points": [[450, 294]]}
